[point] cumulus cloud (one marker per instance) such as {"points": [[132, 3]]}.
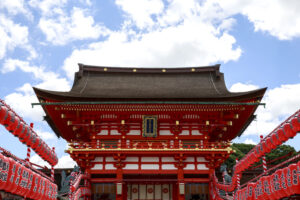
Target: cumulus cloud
{"points": [[45, 135], [189, 40], [241, 87], [12, 35], [21, 99], [281, 102], [141, 11], [249, 141], [279, 18], [48, 7], [15, 7], [36, 159], [78, 26], [65, 162]]}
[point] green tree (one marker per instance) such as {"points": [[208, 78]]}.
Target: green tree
{"points": [[285, 151]]}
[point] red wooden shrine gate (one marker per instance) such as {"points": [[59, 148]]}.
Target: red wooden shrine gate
{"points": [[149, 133]]}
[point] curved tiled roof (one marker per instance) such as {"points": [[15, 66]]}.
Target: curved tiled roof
{"points": [[96, 83]]}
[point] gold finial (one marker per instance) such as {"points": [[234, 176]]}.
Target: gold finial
{"points": [[134, 70], [105, 69], [192, 69], [163, 70]]}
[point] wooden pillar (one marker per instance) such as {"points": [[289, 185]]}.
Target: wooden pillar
{"points": [[180, 183], [119, 184]]}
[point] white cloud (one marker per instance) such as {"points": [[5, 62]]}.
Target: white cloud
{"points": [[63, 29], [12, 35], [281, 102], [279, 18], [190, 40], [21, 99], [48, 7], [241, 87], [141, 11], [14, 7], [45, 135], [36, 159], [65, 162], [249, 141]]}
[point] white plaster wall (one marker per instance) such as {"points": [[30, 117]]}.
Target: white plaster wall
{"points": [[201, 167], [190, 166], [131, 159], [168, 166], [98, 159], [196, 132], [150, 166], [184, 132], [109, 159], [131, 166], [150, 159], [134, 132], [109, 166], [201, 159], [103, 132], [167, 159], [165, 132], [189, 159], [114, 132], [97, 166]]}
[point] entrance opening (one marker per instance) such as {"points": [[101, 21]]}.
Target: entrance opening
{"points": [[103, 191], [196, 191]]}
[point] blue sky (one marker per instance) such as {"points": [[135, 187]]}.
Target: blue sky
{"points": [[256, 42]]}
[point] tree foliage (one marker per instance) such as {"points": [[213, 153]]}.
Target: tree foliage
{"points": [[242, 149]]}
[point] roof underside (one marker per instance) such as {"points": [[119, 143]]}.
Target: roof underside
{"points": [[102, 83]]}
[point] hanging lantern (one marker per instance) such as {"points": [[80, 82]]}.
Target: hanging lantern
{"points": [[265, 187], [3, 114], [296, 124], [282, 135], [14, 122], [295, 176], [19, 129], [266, 146], [283, 184], [19, 171], [24, 181], [11, 175], [270, 143], [288, 129], [2, 169], [250, 190], [30, 184], [8, 119]]}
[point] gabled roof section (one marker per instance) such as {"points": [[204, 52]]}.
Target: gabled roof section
{"points": [[97, 83]]}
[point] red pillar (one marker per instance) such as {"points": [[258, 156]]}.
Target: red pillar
{"points": [[180, 180], [119, 181]]}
